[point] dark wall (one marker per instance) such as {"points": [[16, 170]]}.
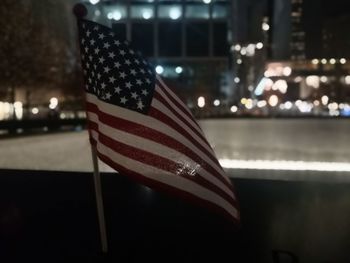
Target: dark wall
{"points": [[52, 215]]}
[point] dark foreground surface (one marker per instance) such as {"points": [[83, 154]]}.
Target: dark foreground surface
{"points": [[51, 216]]}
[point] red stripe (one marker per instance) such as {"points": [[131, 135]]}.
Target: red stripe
{"points": [[154, 135], [160, 163], [157, 114], [160, 98], [181, 105], [187, 196]]}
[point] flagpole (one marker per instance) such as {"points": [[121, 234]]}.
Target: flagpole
{"points": [[99, 201], [81, 11]]}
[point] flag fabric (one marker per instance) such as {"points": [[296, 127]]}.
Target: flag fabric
{"points": [[142, 129]]}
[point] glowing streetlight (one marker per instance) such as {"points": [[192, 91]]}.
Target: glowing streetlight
{"points": [[35, 111], [236, 80], [94, 2], [178, 70], [201, 102], [273, 100], [53, 103], [347, 80], [234, 109], [324, 100], [324, 61], [332, 61], [147, 14], [216, 103], [315, 61], [259, 45], [287, 71], [265, 26], [174, 13], [159, 69], [261, 103], [342, 61], [237, 47]]}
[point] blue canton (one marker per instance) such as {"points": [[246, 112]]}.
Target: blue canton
{"points": [[113, 71]]}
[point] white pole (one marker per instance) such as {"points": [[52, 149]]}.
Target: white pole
{"points": [[99, 201]]}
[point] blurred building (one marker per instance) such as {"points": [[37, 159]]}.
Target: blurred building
{"points": [[187, 41]]}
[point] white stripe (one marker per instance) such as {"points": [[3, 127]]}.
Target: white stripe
{"points": [[179, 111], [173, 95], [151, 123], [165, 177], [158, 149], [162, 108]]}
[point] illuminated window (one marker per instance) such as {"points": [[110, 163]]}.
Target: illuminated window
{"points": [[116, 12], [142, 11], [220, 11], [197, 11], [173, 12]]}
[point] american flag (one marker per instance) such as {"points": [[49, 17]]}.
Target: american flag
{"points": [[142, 129]]}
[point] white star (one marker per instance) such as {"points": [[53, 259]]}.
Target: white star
{"points": [[128, 85], [148, 81], [140, 105], [134, 95], [142, 70], [101, 36], [89, 80], [122, 75], [88, 33], [149, 71], [103, 86], [133, 72], [90, 58], [137, 61], [101, 60], [131, 51], [111, 55], [98, 75], [117, 90], [97, 50], [108, 95], [86, 49], [106, 69], [87, 65], [83, 41], [123, 100], [112, 79], [95, 66], [96, 28], [144, 92], [127, 62], [92, 42], [106, 45], [117, 64], [122, 52], [139, 82], [117, 42]]}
